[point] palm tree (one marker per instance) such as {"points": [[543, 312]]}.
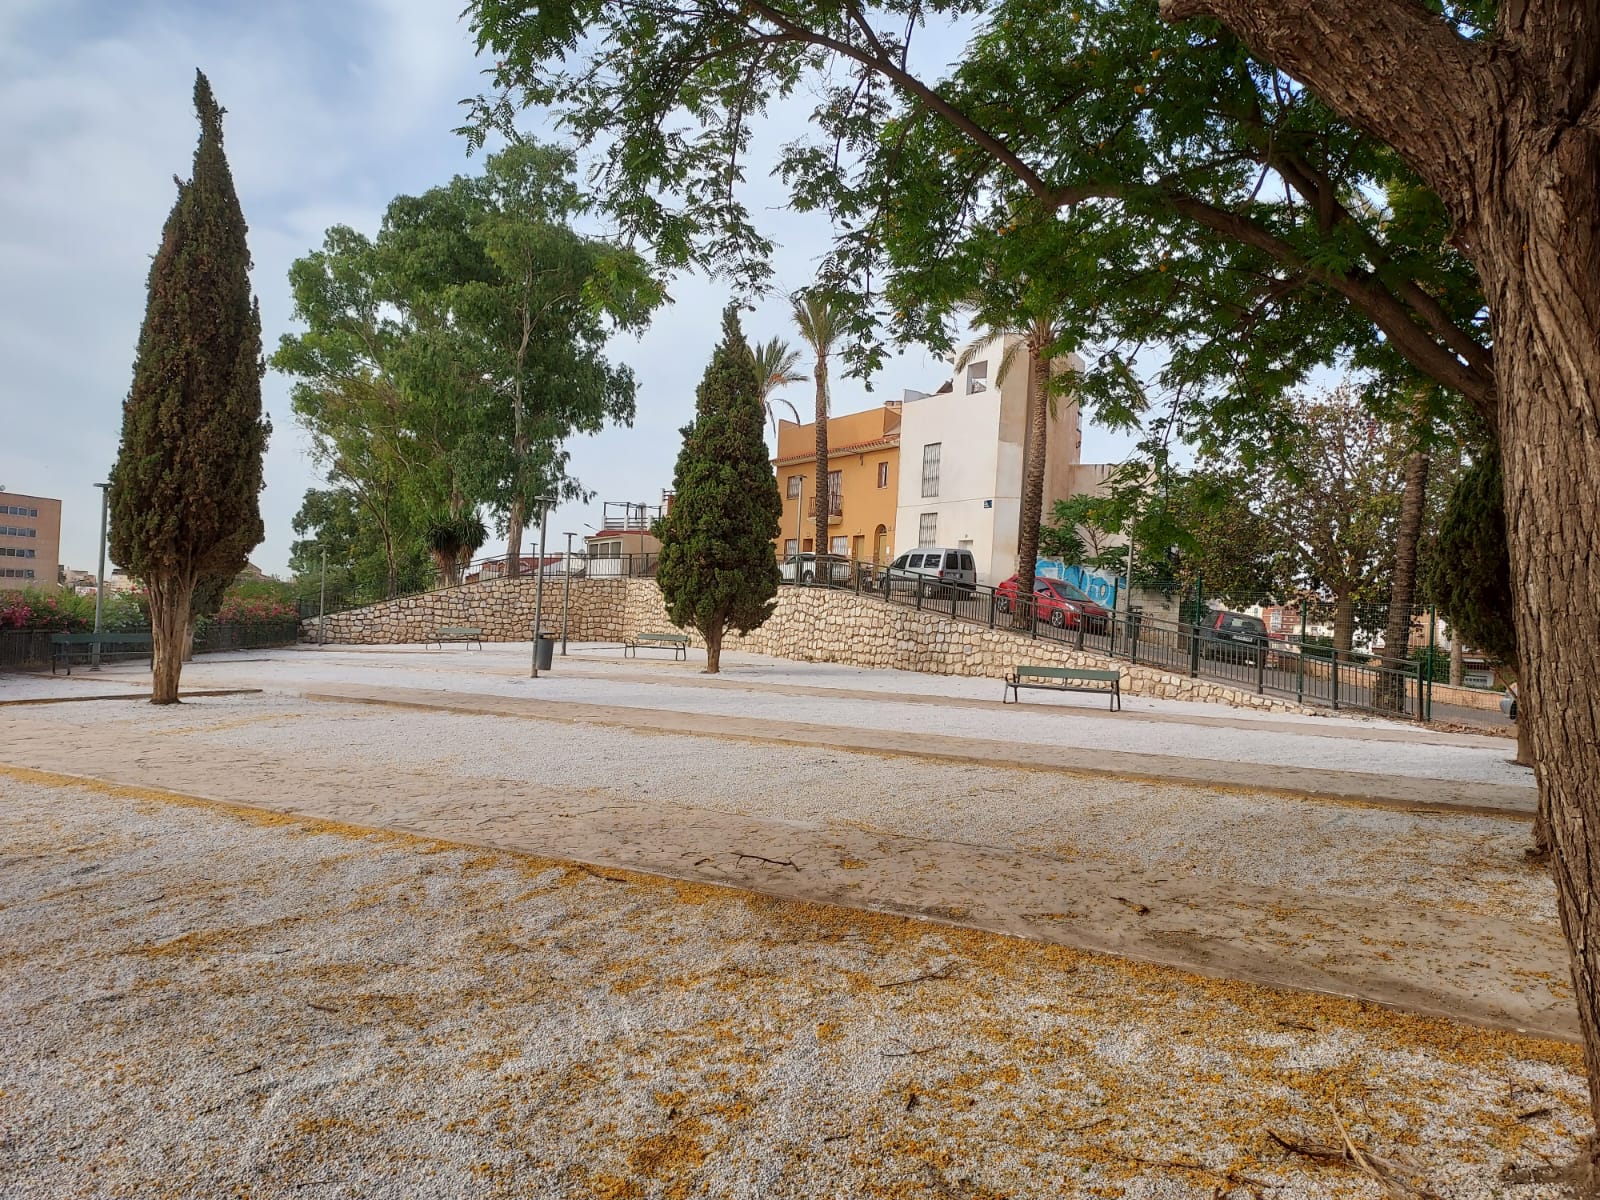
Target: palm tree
{"points": [[775, 363], [821, 323], [1035, 335]]}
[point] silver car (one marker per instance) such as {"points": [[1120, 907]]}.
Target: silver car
{"points": [[808, 566], [934, 570]]}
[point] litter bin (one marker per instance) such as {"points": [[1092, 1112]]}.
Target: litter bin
{"points": [[544, 650]]}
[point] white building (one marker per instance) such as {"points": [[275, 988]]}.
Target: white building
{"points": [[961, 455]]}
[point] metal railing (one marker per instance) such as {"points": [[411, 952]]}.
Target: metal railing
{"points": [[30, 650], [1306, 673]]}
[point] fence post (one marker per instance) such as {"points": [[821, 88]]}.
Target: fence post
{"points": [[1334, 674], [1133, 634], [1194, 646], [991, 607], [1261, 669], [1300, 672], [1425, 704]]}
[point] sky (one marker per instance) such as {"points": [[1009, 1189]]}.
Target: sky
{"points": [[332, 110]]}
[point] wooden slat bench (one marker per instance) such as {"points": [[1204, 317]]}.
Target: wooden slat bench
{"points": [[456, 633], [61, 645], [678, 643], [1064, 679]]}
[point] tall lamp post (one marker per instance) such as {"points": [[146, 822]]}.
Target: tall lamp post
{"points": [[322, 605], [566, 593], [100, 577]]}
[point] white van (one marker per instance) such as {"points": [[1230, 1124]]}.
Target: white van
{"points": [[941, 570]]}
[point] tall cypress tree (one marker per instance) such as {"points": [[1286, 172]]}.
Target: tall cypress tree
{"points": [[185, 491], [718, 570]]}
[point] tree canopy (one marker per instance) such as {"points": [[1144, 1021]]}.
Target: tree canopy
{"points": [[447, 360]]}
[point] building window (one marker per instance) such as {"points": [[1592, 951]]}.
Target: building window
{"points": [[16, 572], [883, 474], [795, 483], [13, 510], [839, 546], [928, 529], [835, 494], [14, 552], [930, 469], [790, 547], [18, 531], [977, 377]]}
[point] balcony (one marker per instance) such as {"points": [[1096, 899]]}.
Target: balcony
{"points": [[835, 508]]}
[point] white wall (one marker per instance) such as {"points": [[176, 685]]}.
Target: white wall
{"points": [[965, 427]]}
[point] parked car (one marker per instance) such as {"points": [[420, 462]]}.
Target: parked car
{"points": [[832, 567], [1234, 637], [1058, 602], [932, 569]]}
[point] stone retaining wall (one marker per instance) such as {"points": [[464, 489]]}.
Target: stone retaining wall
{"points": [[809, 625]]}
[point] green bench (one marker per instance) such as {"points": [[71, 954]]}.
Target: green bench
{"points": [[61, 645], [678, 643], [456, 633], [1064, 679]]}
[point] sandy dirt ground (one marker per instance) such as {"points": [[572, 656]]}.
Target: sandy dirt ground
{"points": [[1435, 912], [201, 1001]]}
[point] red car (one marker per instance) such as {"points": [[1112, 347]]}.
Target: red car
{"points": [[1059, 603]]}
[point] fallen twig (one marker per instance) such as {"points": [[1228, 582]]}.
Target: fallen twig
{"points": [[1397, 1182], [1232, 1178], [937, 973], [775, 862], [588, 870], [1533, 1113], [1141, 909], [910, 1051]]}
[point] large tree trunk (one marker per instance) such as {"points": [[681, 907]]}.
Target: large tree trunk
{"points": [[714, 650], [824, 499], [1031, 507], [188, 640], [1344, 624], [1507, 131], [1458, 660], [169, 620], [514, 540], [1391, 692]]}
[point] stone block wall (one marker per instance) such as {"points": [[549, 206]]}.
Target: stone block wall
{"points": [[809, 625]]}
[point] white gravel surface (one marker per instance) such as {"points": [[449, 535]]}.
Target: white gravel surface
{"points": [[491, 672], [199, 1003], [1458, 862]]}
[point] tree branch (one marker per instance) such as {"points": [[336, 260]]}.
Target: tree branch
{"points": [[1388, 66]]}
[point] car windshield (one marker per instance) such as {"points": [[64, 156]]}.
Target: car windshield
{"points": [[1071, 593]]}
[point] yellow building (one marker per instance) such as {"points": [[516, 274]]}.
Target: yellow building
{"points": [[863, 484]]}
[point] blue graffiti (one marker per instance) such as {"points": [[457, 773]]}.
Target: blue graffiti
{"points": [[1102, 589]]}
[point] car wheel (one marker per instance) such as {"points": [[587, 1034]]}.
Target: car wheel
{"points": [[808, 577], [1058, 619], [927, 591], [1003, 604]]}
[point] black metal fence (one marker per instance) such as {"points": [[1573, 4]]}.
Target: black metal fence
{"points": [[29, 650], [1308, 673]]}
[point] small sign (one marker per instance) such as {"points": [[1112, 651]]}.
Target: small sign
{"points": [[988, 503]]}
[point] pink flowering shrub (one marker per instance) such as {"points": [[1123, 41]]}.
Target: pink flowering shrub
{"points": [[254, 609], [39, 611]]}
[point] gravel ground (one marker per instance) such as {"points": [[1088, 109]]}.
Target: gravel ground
{"points": [[1464, 863], [497, 671], [201, 1002]]}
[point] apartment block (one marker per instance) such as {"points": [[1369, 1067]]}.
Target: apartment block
{"points": [[863, 483], [30, 541]]}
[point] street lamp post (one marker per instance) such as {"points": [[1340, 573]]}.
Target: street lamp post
{"points": [[100, 579], [566, 593], [322, 605], [538, 587]]}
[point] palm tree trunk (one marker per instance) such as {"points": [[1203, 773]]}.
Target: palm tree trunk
{"points": [[1031, 508], [824, 499]]}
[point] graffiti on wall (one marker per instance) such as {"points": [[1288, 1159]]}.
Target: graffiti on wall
{"points": [[1102, 589]]}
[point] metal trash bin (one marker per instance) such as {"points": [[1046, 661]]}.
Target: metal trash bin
{"points": [[544, 650]]}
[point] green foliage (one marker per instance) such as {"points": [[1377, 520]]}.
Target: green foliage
{"points": [[185, 488], [1176, 189], [1435, 661], [40, 611], [1062, 537], [1470, 577], [717, 570]]}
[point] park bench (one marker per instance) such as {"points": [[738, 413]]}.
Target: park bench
{"points": [[457, 633], [678, 643], [61, 645], [1064, 679]]}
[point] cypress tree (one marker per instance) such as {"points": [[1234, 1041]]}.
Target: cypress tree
{"points": [[718, 570], [185, 491]]}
